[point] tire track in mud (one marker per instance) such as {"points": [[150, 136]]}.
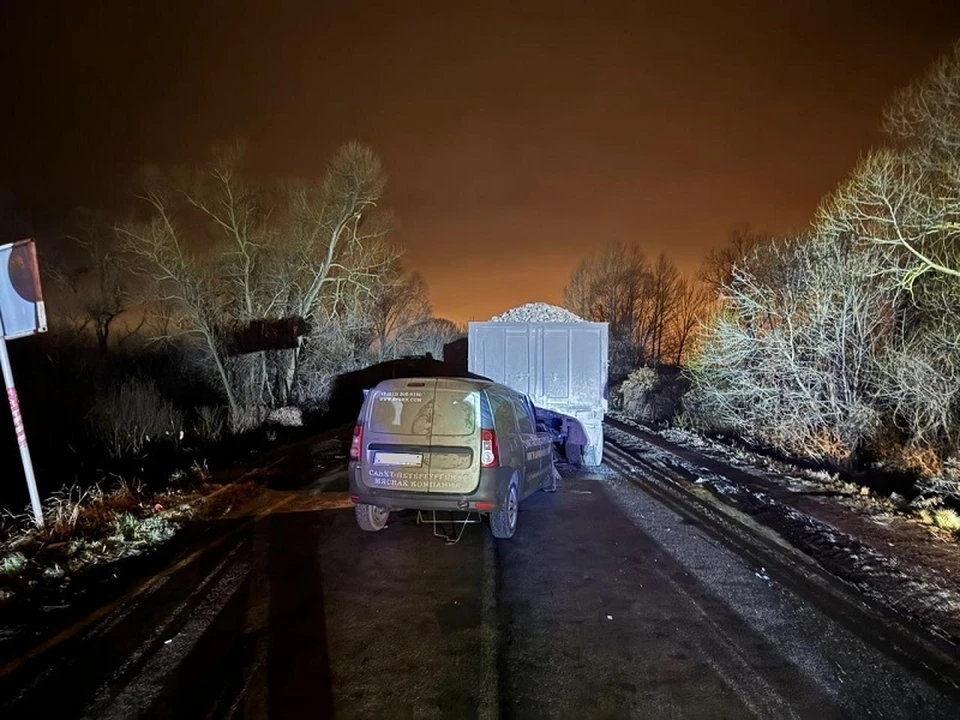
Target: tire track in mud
{"points": [[814, 558]]}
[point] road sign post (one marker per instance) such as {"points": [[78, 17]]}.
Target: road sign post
{"points": [[21, 432], [22, 313]]}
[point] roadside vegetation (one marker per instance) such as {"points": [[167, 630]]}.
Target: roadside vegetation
{"points": [[839, 346], [208, 322]]}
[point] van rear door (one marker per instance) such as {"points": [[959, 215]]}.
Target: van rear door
{"points": [[397, 436], [455, 438], [422, 436]]}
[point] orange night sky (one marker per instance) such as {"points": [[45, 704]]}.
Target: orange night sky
{"points": [[517, 136]]}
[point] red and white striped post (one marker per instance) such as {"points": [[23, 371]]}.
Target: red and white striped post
{"points": [[21, 432], [22, 313]]}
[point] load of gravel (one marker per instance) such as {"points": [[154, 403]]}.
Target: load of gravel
{"points": [[538, 313]]}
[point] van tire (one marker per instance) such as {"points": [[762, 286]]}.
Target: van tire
{"points": [[503, 520], [371, 518], [574, 453]]}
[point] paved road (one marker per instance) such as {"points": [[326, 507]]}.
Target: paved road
{"points": [[605, 605]]}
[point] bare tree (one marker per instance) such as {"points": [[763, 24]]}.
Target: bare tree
{"points": [[613, 286], [692, 310], [794, 362], [822, 341], [665, 293], [335, 254], [94, 279], [431, 335], [719, 263], [891, 202], [306, 250], [400, 304], [159, 248], [650, 309], [924, 114], [906, 198]]}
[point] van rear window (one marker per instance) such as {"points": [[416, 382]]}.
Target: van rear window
{"points": [[413, 412]]}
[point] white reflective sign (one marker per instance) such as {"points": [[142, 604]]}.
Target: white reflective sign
{"points": [[21, 301]]}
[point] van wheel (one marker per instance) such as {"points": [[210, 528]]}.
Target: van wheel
{"points": [[370, 517], [503, 520], [574, 452]]}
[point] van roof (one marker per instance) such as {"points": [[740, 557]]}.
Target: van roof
{"points": [[445, 382]]}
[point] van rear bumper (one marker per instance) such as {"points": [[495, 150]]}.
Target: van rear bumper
{"points": [[487, 495]]}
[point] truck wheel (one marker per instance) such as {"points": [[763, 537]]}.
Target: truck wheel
{"points": [[370, 517], [503, 520], [574, 454]]}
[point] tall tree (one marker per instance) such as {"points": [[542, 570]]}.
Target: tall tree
{"points": [[692, 310], [94, 278], [611, 286], [719, 263], [906, 198], [308, 250], [400, 304], [665, 292]]}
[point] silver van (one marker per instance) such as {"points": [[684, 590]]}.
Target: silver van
{"points": [[447, 444]]}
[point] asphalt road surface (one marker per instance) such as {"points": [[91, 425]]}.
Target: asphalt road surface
{"points": [[606, 604]]}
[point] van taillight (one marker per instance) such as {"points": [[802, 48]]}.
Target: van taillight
{"points": [[489, 450], [357, 443]]}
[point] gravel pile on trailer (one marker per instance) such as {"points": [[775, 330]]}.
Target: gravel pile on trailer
{"points": [[538, 313]]}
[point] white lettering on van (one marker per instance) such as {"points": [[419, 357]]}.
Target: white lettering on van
{"points": [[535, 454], [414, 481], [402, 395]]}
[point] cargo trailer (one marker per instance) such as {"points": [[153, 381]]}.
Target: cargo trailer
{"points": [[561, 367]]}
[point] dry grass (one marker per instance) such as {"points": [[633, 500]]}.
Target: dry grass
{"points": [[942, 518], [947, 519], [73, 514], [93, 526], [922, 459]]}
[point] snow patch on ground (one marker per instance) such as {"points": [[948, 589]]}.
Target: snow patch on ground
{"points": [[797, 479], [918, 591]]}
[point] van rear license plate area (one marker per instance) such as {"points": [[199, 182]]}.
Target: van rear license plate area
{"points": [[402, 459]]}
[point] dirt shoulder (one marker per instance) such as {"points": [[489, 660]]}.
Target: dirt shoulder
{"points": [[884, 549], [109, 541]]}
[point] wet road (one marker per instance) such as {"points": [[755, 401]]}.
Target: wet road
{"points": [[605, 605]]}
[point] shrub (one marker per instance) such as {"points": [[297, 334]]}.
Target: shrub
{"points": [[634, 392], [132, 414], [921, 458], [247, 418], [936, 515], [654, 395], [791, 358], [210, 423], [13, 564]]}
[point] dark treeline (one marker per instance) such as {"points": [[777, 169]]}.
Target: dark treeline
{"points": [[150, 312]]}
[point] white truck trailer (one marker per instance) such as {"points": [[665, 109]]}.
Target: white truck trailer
{"points": [[560, 366]]}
